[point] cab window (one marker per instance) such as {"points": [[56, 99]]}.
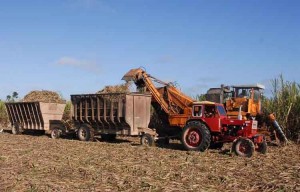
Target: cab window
{"points": [[197, 111], [243, 93], [221, 110], [257, 95], [210, 111]]}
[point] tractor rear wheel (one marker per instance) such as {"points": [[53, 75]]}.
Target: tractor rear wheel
{"points": [[195, 136], [243, 147], [85, 133], [262, 147], [147, 140]]}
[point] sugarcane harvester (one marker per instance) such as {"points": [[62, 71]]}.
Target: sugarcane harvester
{"points": [[199, 125], [246, 101]]}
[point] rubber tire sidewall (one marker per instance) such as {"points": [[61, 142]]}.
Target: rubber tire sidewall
{"points": [[89, 131], [236, 144], [149, 138], [205, 135], [262, 147], [16, 129], [58, 134]]}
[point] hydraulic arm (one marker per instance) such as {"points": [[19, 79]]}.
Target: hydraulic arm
{"points": [[176, 104]]}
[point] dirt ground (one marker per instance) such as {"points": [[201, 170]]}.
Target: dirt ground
{"points": [[38, 163]]}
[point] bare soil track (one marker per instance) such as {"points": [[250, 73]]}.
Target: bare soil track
{"points": [[38, 163]]}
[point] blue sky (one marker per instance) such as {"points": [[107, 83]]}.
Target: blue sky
{"points": [[79, 46]]}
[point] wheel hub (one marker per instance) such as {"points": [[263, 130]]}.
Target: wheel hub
{"points": [[244, 148], [193, 138], [146, 141], [83, 133]]}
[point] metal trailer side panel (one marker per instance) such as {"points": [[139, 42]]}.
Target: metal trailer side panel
{"points": [[50, 112], [137, 112], [13, 114], [34, 115], [10, 114], [112, 113], [104, 112]]}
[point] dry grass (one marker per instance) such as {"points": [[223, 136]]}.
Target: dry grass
{"points": [[37, 163]]}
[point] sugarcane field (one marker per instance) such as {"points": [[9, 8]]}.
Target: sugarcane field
{"points": [[173, 95], [122, 161], [37, 163]]}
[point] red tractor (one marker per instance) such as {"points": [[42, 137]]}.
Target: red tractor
{"points": [[210, 126]]}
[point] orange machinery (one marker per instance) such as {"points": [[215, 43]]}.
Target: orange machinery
{"points": [[238, 99], [173, 102], [199, 125]]}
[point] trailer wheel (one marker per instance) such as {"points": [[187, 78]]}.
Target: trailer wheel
{"points": [[262, 147], [195, 136], [147, 140], [15, 129], [85, 133], [243, 147], [55, 133]]}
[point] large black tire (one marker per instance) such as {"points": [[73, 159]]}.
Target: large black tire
{"points": [[195, 136], [85, 133], [108, 137], [147, 140], [262, 147], [16, 129], [243, 147]]}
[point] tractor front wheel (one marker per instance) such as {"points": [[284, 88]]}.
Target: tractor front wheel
{"points": [[195, 136], [243, 147]]}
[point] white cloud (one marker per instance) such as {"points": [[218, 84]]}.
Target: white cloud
{"points": [[82, 64]]}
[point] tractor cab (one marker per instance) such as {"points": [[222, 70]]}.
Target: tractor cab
{"points": [[206, 109], [210, 113], [246, 98]]}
